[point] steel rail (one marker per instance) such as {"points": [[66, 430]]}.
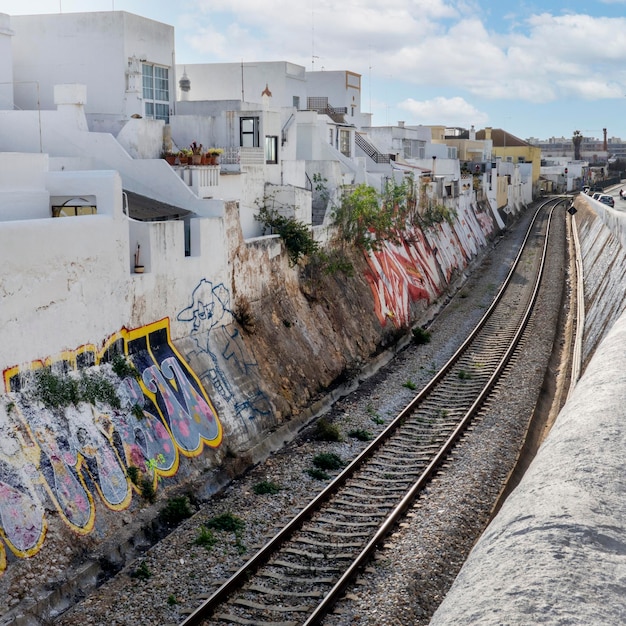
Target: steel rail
{"points": [[331, 598], [260, 557]]}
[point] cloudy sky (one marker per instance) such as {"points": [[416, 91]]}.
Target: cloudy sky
{"points": [[538, 68]]}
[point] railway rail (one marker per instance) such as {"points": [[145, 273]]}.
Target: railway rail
{"points": [[298, 576]]}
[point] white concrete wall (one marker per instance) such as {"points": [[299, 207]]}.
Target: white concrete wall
{"points": [[63, 135], [342, 88], [555, 553], [74, 275], [245, 81], [6, 63], [93, 49], [64, 279]]}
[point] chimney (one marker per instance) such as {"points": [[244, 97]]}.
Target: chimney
{"points": [[401, 124], [605, 147], [487, 132], [472, 133]]}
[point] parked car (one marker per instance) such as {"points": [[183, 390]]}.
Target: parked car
{"points": [[586, 189], [606, 199], [596, 195]]}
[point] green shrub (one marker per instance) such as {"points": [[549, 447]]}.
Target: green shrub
{"points": [[409, 384], [297, 235], [147, 489], [60, 391], [360, 434], [205, 538], [176, 510], [328, 461], [94, 388], [142, 572], [420, 336], [55, 391], [133, 473], [123, 368], [318, 474], [326, 431], [266, 486], [226, 521]]}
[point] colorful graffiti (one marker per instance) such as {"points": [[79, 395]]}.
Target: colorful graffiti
{"points": [[422, 263], [81, 454], [208, 315]]}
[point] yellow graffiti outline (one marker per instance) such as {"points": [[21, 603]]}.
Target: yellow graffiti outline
{"points": [[127, 336], [151, 395], [113, 507], [70, 357], [32, 454], [78, 467], [23, 553], [3, 559], [106, 433]]}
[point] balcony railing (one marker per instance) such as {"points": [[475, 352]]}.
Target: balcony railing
{"points": [[242, 156], [203, 179], [370, 150]]}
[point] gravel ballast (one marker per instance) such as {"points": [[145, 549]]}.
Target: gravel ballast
{"points": [[417, 565]]}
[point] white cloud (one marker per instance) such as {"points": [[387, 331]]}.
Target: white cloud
{"points": [[455, 111], [427, 43]]}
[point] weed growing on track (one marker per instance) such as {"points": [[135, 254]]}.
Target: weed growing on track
{"points": [[361, 434], [142, 572], [325, 431], [205, 538], [317, 474], [328, 461], [266, 486]]}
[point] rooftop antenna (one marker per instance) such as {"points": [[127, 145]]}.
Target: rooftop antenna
{"points": [[312, 38], [370, 77], [242, 95]]}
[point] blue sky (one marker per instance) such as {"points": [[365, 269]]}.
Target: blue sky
{"points": [[537, 69]]}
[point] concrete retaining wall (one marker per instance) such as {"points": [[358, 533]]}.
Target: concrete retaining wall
{"points": [[555, 553]]}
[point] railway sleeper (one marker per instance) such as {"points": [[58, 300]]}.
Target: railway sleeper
{"points": [[283, 592], [235, 619], [333, 533], [328, 544], [312, 569], [296, 580], [319, 556], [328, 520]]}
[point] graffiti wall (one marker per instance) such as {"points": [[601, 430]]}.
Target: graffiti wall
{"points": [[73, 458], [421, 265], [229, 370]]}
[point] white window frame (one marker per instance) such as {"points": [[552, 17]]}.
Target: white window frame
{"points": [[156, 91]]}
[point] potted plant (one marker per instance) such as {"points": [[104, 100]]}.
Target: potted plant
{"points": [[183, 156], [196, 153], [213, 155], [169, 156]]}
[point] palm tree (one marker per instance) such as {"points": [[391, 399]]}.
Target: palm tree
{"points": [[577, 140]]}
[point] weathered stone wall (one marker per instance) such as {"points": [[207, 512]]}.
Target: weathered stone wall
{"points": [[209, 400]]}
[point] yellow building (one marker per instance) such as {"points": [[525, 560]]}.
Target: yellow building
{"points": [[468, 146], [512, 149]]}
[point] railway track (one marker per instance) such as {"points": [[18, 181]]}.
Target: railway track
{"points": [[297, 577]]}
